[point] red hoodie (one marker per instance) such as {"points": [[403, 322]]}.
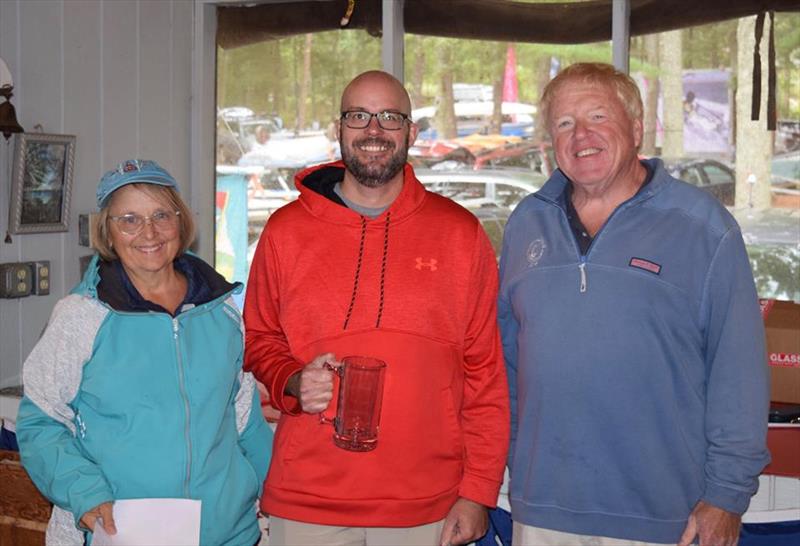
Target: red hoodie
{"points": [[415, 287]]}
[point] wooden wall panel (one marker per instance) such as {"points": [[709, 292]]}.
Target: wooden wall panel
{"points": [[82, 92], [180, 101], [120, 82], [155, 75], [10, 347], [115, 73], [40, 86]]}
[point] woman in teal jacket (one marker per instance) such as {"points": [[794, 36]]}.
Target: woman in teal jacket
{"points": [[136, 388]]}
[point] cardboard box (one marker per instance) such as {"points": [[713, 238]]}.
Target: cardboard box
{"points": [[782, 323]]}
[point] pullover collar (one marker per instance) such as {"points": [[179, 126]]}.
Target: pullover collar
{"points": [[554, 190]]}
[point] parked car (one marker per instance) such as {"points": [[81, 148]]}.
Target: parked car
{"points": [[493, 219], [707, 174], [475, 117], [475, 189], [787, 137], [285, 150], [786, 168], [484, 152], [241, 123], [440, 154], [786, 180], [538, 157], [772, 238]]}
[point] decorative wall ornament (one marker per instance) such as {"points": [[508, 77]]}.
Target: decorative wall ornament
{"points": [[41, 183]]}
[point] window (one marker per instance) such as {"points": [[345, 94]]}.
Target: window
{"points": [[276, 103], [481, 142]]}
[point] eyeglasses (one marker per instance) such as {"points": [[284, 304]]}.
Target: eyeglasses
{"points": [[388, 121], [132, 223]]}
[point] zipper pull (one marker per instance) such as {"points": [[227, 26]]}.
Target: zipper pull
{"points": [[582, 267], [175, 328], [80, 425]]}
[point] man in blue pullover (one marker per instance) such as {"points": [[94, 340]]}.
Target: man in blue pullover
{"points": [[632, 337]]}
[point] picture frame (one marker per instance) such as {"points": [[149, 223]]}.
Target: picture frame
{"points": [[41, 183]]}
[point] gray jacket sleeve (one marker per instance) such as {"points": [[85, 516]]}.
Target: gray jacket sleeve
{"points": [[46, 426]]}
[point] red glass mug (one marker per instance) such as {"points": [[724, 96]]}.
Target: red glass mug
{"points": [[358, 411]]}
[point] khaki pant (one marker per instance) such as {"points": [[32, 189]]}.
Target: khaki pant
{"points": [[286, 532], [525, 535]]}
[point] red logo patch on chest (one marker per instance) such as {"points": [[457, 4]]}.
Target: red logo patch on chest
{"points": [[647, 265]]}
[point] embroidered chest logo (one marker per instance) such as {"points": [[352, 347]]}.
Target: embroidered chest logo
{"points": [[535, 251], [430, 264], [647, 265]]}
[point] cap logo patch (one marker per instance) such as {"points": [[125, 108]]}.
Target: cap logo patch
{"points": [[647, 265], [130, 166]]}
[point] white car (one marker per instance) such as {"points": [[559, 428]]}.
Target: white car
{"points": [[491, 187]]}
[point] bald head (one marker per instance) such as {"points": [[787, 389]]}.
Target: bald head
{"points": [[373, 155], [373, 85]]}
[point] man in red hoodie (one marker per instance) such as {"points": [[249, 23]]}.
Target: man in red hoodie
{"points": [[367, 262]]}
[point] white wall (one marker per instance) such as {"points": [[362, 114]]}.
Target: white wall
{"points": [[118, 75]]}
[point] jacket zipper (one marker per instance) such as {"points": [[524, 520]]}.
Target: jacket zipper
{"points": [[181, 379], [582, 257]]}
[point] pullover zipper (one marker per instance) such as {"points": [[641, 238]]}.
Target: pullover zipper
{"points": [[187, 437], [582, 267]]}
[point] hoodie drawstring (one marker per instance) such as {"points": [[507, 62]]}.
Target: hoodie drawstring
{"points": [[358, 270], [383, 267]]}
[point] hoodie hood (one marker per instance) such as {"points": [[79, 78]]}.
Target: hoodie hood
{"points": [[317, 196]]}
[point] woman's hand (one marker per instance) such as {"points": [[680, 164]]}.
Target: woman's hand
{"points": [[103, 511]]}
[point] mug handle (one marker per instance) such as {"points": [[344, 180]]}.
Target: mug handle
{"points": [[338, 372]]}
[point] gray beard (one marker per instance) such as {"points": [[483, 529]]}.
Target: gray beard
{"points": [[370, 175]]}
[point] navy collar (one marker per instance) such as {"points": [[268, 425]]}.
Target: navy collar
{"points": [[203, 285]]}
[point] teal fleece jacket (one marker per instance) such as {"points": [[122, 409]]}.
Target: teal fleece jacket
{"points": [[121, 404]]}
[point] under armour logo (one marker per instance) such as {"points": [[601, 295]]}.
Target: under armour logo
{"points": [[430, 264]]}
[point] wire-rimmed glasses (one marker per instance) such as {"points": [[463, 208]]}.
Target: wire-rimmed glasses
{"points": [[132, 223]]}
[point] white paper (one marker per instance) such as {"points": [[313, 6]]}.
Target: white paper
{"points": [[152, 522]]}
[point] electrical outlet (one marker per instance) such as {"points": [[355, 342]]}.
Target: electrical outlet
{"points": [[41, 280], [16, 280]]}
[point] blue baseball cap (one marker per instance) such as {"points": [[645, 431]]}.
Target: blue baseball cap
{"points": [[133, 171]]}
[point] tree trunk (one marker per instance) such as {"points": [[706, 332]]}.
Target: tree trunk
{"points": [[542, 79], [417, 78], [496, 123], [222, 79], [305, 85], [650, 98], [753, 142], [670, 61], [445, 113]]}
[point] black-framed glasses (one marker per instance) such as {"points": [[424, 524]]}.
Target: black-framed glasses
{"points": [[132, 223], [387, 120]]}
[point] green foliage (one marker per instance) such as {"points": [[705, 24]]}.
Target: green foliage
{"points": [[267, 76]]}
